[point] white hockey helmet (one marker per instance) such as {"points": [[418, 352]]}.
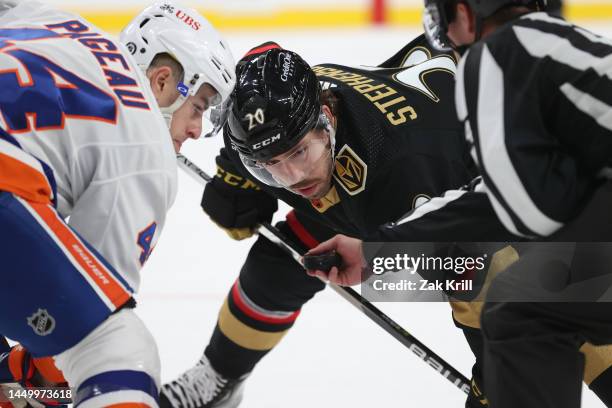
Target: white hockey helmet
{"points": [[166, 27]]}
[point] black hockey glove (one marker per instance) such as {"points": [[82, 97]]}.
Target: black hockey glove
{"points": [[235, 203]]}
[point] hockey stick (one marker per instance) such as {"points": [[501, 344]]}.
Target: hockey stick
{"points": [[376, 315]]}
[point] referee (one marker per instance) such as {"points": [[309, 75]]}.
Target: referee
{"points": [[535, 94]]}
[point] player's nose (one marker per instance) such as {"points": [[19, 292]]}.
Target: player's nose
{"points": [[194, 130], [291, 173]]}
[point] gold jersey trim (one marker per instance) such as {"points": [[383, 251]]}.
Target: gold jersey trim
{"points": [[323, 204]]}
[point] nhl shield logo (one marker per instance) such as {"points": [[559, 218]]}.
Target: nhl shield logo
{"points": [[351, 172], [42, 322]]}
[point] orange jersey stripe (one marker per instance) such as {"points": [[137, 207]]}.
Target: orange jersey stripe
{"points": [[87, 260], [15, 362], [47, 368], [24, 181]]}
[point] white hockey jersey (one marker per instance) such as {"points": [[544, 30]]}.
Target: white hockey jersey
{"points": [[72, 97]]}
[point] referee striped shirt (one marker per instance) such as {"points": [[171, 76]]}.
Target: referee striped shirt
{"points": [[536, 100]]}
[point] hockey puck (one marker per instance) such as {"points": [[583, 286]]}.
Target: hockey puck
{"points": [[322, 262]]}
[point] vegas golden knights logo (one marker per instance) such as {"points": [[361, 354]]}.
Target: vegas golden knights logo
{"points": [[351, 172]]}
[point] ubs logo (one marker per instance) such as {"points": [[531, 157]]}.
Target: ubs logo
{"points": [[187, 19]]}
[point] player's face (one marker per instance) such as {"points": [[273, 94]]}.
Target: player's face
{"points": [[305, 169], [187, 120]]}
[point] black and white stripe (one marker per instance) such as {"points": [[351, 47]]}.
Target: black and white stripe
{"points": [[536, 99]]}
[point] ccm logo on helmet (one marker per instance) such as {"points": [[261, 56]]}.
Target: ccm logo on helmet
{"points": [[187, 19], [266, 142]]}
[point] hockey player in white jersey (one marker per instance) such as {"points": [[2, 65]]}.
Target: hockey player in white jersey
{"points": [[83, 135]]}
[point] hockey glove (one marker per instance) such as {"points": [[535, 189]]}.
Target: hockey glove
{"points": [[32, 372], [238, 234], [235, 203]]}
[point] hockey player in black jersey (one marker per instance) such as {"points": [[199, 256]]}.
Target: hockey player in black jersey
{"points": [[534, 93], [357, 151], [461, 215]]}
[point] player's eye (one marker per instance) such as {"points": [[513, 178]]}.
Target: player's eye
{"points": [[301, 151], [270, 163], [198, 109]]}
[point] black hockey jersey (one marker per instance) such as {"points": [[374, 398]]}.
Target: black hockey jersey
{"points": [[398, 143]]}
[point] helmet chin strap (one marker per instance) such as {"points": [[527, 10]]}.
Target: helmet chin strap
{"points": [[168, 111], [332, 135], [167, 119], [332, 141], [332, 146]]}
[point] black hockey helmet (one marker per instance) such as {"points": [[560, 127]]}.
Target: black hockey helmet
{"points": [[439, 13], [275, 103]]}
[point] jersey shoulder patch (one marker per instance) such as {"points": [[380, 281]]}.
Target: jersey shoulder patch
{"points": [[351, 172]]}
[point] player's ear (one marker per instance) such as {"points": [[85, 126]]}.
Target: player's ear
{"points": [[161, 79], [328, 112]]}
